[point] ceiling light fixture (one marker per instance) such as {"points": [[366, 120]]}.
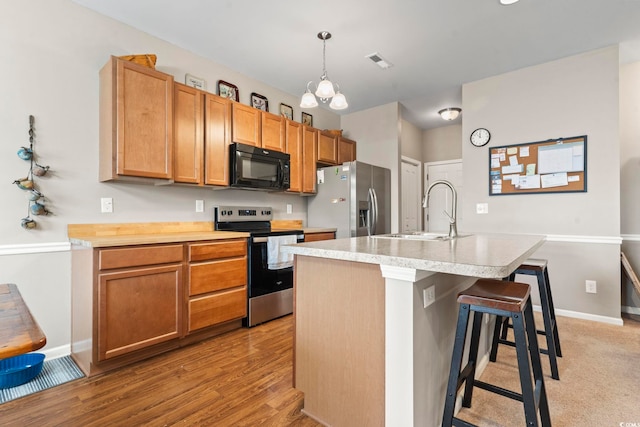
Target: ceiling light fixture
{"points": [[325, 90], [508, 2], [450, 113]]}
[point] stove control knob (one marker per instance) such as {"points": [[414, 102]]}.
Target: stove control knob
{"points": [[223, 213], [229, 212]]}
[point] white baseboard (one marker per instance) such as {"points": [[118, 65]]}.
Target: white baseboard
{"points": [[56, 352], [586, 316], [631, 310]]}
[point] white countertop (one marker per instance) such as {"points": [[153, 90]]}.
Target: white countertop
{"points": [[478, 255]]}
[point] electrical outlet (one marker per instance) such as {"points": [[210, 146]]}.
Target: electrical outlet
{"points": [[106, 205], [429, 295], [289, 208], [199, 205], [482, 208], [591, 286]]}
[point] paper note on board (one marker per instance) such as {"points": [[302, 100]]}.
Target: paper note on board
{"points": [[528, 182], [512, 150], [513, 160], [531, 169], [514, 178], [524, 151], [512, 169], [554, 180], [495, 162], [573, 178]]}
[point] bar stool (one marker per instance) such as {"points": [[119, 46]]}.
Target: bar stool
{"points": [[538, 268], [510, 300]]}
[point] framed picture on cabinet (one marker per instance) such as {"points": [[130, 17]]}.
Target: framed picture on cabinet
{"points": [[307, 119], [228, 90], [260, 102], [196, 82], [286, 110]]}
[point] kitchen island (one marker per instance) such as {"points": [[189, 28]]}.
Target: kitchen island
{"points": [[375, 320]]}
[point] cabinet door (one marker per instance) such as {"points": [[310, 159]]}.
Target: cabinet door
{"points": [[309, 159], [138, 308], [246, 127], [273, 132], [293, 137], [327, 149], [346, 150], [188, 134], [144, 123], [217, 135]]}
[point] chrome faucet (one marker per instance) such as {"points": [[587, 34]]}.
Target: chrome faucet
{"points": [[453, 228]]}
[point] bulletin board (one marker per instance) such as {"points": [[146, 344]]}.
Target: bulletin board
{"points": [[552, 166]]}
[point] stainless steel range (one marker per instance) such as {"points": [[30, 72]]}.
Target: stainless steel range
{"points": [[270, 273]]}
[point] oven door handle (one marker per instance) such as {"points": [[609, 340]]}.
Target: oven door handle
{"points": [[264, 239]]}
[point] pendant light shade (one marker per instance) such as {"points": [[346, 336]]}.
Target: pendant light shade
{"points": [[325, 90]]}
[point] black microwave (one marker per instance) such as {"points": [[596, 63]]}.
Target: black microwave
{"points": [[257, 168]]}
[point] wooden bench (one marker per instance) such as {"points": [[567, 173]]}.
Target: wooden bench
{"points": [[19, 332]]}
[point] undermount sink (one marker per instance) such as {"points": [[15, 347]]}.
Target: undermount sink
{"points": [[419, 235]]}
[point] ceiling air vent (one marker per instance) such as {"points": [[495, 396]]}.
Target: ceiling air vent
{"points": [[379, 60]]}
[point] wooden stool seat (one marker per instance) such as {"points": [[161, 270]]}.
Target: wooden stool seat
{"points": [[501, 295], [538, 268], [510, 300]]}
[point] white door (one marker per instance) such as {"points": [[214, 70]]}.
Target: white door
{"points": [[440, 197], [411, 197]]}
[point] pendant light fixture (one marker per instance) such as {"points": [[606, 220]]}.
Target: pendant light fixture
{"points": [[325, 89]]}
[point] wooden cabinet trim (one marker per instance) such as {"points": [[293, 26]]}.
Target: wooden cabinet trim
{"points": [[315, 237], [217, 275]]}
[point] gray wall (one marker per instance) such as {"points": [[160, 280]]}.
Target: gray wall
{"points": [[630, 177], [53, 50], [573, 96], [442, 143]]}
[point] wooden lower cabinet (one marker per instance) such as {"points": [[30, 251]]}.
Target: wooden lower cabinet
{"points": [[133, 302], [217, 283], [138, 308]]}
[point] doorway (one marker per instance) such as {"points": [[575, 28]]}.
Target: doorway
{"points": [[411, 207], [435, 219]]}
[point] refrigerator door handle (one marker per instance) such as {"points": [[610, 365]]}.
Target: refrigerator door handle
{"points": [[373, 223]]}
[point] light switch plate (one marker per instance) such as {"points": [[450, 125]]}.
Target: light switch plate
{"points": [[429, 295], [289, 208], [106, 205], [199, 205], [482, 208]]}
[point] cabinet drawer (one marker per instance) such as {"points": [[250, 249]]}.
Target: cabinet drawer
{"points": [[224, 249], [314, 237], [218, 308], [216, 275], [138, 256]]}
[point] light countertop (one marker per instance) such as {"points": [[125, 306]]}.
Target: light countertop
{"points": [[478, 255], [155, 238]]}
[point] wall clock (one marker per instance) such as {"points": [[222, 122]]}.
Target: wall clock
{"points": [[480, 137]]}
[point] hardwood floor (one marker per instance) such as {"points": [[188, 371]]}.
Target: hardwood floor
{"points": [[242, 378]]}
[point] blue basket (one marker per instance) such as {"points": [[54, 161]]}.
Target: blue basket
{"points": [[18, 370]]}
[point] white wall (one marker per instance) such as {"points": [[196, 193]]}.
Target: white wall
{"points": [[411, 140], [573, 96], [377, 131], [52, 51]]}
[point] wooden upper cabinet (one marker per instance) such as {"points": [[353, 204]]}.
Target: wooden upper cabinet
{"points": [[217, 135], [136, 121], [293, 139], [309, 159], [327, 148], [246, 128], [346, 150], [188, 130], [202, 126], [273, 132]]}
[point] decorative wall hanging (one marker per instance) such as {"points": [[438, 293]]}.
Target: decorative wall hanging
{"points": [[36, 200]]}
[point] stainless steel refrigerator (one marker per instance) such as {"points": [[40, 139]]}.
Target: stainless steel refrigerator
{"points": [[354, 197]]}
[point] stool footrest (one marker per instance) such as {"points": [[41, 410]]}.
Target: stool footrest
{"points": [[457, 422], [498, 390]]}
